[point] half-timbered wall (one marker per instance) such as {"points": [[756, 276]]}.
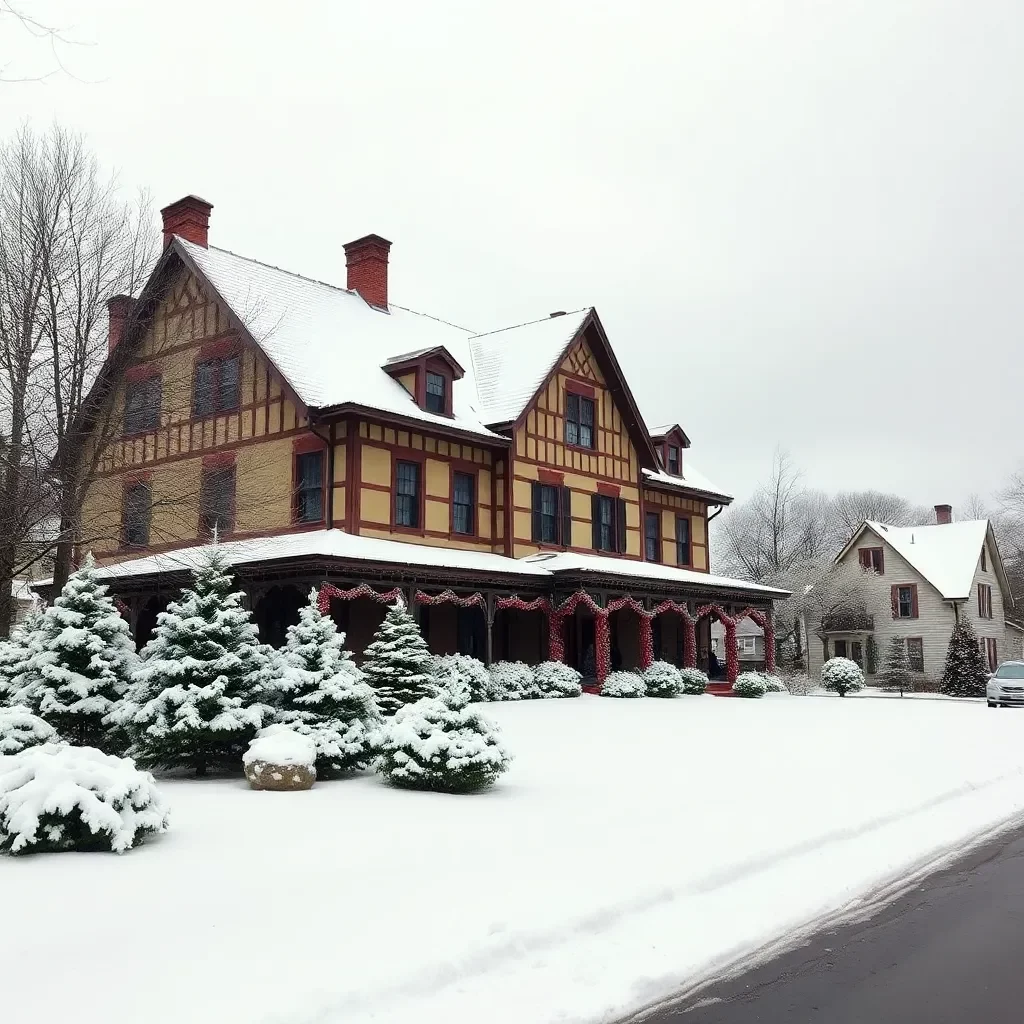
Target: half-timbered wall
{"points": [[669, 506]]}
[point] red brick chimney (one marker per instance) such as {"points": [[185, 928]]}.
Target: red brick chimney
{"points": [[367, 261], [943, 514], [119, 308], [188, 217]]}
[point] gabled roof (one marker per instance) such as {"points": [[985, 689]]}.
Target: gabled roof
{"points": [[945, 554], [657, 433]]}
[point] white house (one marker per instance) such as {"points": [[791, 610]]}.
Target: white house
{"points": [[920, 580], [749, 644]]}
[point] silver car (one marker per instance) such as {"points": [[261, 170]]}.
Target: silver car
{"points": [[1006, 685]]}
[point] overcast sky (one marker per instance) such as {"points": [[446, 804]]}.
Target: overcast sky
{"points": [[800, 222]]}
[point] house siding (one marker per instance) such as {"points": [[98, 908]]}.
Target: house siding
{"points": [[994, 628]]}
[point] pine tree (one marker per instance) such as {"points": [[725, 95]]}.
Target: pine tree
{"points": [[398, 662], [964, 674], [895, 674], [321, 694], [197, 698], [77, 662]]}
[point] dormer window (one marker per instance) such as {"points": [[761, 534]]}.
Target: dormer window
{"points": [[673, 459], [437, 388]]}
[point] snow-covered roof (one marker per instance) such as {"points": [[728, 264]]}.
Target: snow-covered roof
{"points": [[689, 480], [511, 364], [945, 554], [570, 561], [662, 430], [745, 627], [329, 344]]}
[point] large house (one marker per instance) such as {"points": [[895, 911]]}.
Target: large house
{"points": [[919, 580], [503, 483]]}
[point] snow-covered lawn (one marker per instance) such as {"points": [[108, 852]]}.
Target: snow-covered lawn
{"points": [[633, 847]]}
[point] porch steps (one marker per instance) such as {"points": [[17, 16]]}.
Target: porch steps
{"points": [[720, 689]]}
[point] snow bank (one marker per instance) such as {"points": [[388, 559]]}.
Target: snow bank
{"points": [[277, 744]]}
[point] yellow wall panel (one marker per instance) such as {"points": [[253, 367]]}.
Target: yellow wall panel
{"points": [[522, 526], [374, 506], [632, 542], [437, 515], [521, 496], [437, 479], [375, 465], [582, 535], [340, 463], [697, 525], [700, 559]]}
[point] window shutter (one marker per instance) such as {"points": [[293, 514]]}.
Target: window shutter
{"points": [[913, 600], [565, 508], [620, 525], [981, 606], [535, 505], [894, 594], [595, 521]]}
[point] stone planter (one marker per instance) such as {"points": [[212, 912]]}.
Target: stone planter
{"points": [[280, 777]]}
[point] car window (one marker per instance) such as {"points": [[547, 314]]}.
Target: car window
{"points": [[1010, 672]]}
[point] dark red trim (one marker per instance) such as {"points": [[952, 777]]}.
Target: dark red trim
{"points": [[609, 490], [142, 371], [219, 460], [220, 348], [574, 387], [308, 443], [549, 476]]}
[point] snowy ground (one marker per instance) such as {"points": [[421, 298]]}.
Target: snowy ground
{"points": [[634, 847]]}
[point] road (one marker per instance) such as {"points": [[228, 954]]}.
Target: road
{"points": [[949, 951]]}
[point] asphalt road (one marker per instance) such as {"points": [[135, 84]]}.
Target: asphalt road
{"points": [[950, 951]]}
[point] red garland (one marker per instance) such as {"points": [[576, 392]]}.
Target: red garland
{"points": [[765, 622], [519, 605], [732, 658], [450, 597], [122, 608], [689, 630], [646, 633], [328, 592], [602, 646]]}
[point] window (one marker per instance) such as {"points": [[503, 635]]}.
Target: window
{"points": [[682, 540], [746, 644], [652, 536], [984, 559], [551, 519], [841, 650], [984, 601], [608, 519], [309, 487], [407, 494], [463, 486], [673, 459], [142, 405], [915, 653], [990, 652], [436, 398], [579, 420], [135, 515], [904, 601], [857, 652], [217, 386], [217, 501], [871, 558]]}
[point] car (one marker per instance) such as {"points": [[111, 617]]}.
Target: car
{"points": [[1005, 687]]}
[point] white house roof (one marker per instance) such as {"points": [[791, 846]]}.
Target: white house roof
{"points": [[945, 554], [510, 365]]}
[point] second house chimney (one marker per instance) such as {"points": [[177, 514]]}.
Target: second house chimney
{"points": [[367, 261], [943, 514], [119, 308], [188, 217]]}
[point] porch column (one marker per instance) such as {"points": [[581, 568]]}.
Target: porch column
{"points": [[646, 642], [601, 645], [556, 644], [689, 637], [769, 644], [489, 618], [732, 664]]}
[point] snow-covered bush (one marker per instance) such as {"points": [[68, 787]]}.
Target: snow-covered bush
{"points": [[199, 695], [19, 729], [462, 679], [693, 681], [398, 664], [511, 680], [799, 684], [12, 657], [57, 797], [772, 684], [842, 676], [555, 679], [281, 759], [429, 745], [662, 679], [964, 673], [624, 684], [749, 684], [320, 693]]}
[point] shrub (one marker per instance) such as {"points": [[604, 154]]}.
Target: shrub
{"points": [[694, 681], [56, 797], [749, 684], [799, 684], [511, 680], [20, 729], [773, 684], [662, 679], [553, 679], [965, 673], [842, 676], [462, 678], [398, 662], [624, 684], [428, 745]]}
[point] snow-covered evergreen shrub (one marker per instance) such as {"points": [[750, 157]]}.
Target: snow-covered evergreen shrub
{"points": [[624, 684], [693, 681], [58, 797], [429, 745], [12, 657], [772, 684], [895, 674], [320, 693], [662, 679], [842, 676], [19, 729], [462, 679], [78, 663], [964, 674], [555, 679], [798, 684], [511, 680], [200, 694], [749, 684], [398, 664]]}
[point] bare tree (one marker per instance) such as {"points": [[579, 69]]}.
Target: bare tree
{"points": [[850, 508], [31, 28]]}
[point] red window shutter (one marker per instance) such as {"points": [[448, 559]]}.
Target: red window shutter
{"points": [[913, 600], [894, 594]]}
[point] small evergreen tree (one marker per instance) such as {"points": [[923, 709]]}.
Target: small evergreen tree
{"points": [[321, 694], [398, 664], [197, 698], [895, 674], [78, 659], [964, 674]]}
